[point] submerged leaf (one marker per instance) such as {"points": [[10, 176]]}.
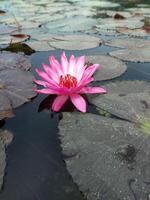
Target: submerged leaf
{"points": [[19, 47]]}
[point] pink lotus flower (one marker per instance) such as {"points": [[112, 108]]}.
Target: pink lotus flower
{"points": [[67, 79]]}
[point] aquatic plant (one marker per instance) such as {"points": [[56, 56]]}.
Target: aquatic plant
{"points": [[67, 79]]}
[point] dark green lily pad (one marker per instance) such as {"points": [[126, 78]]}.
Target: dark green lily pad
{"points": [[128, 43], [5, 139], [16, 88], [98, 149], [19, 47], [109, 67], [127, 99], [133, 54], [13, 61]]}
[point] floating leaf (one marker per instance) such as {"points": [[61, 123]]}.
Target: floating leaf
{"points": [[134, 32], [13, 61], [126, 99], [5, 106], [109, 67], [128, 43], [5, 139], [17, 86], [134, 54], [75, 42], [98, 149], [4, 29], [121, 14], [73, 24], [40, 46], [96, 3], [112, 24]]}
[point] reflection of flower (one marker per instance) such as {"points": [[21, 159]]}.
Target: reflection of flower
{"points": [[67, 79]]}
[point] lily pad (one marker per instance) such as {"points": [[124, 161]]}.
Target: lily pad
{"points": [[4, 29], [134, 32], [40, 46], [75, 42], [112, 24], [96, 3], [5, 106], [126, 99], [118, 15], [133, 55], [13, 61], [17, 86], [128, 43], [5, 139], [98, 149], [109, 67]]}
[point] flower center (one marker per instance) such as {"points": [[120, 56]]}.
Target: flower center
{"points": [[68, 81]]}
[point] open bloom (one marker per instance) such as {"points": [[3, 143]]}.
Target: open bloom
{"points": [[67, 79]]}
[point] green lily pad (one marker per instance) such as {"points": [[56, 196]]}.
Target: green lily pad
{"points": [[40, 46], [109, 67], [96, 3], [144, 125], [16, 88], [133, 55], [5, 107], [134, 32], [13, 61], [5, 29], [75, 42], [97, 149], [112, 24], [130, 43], [126, 99]]}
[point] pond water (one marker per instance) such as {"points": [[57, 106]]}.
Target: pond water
{"points": [[35, 163]]}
